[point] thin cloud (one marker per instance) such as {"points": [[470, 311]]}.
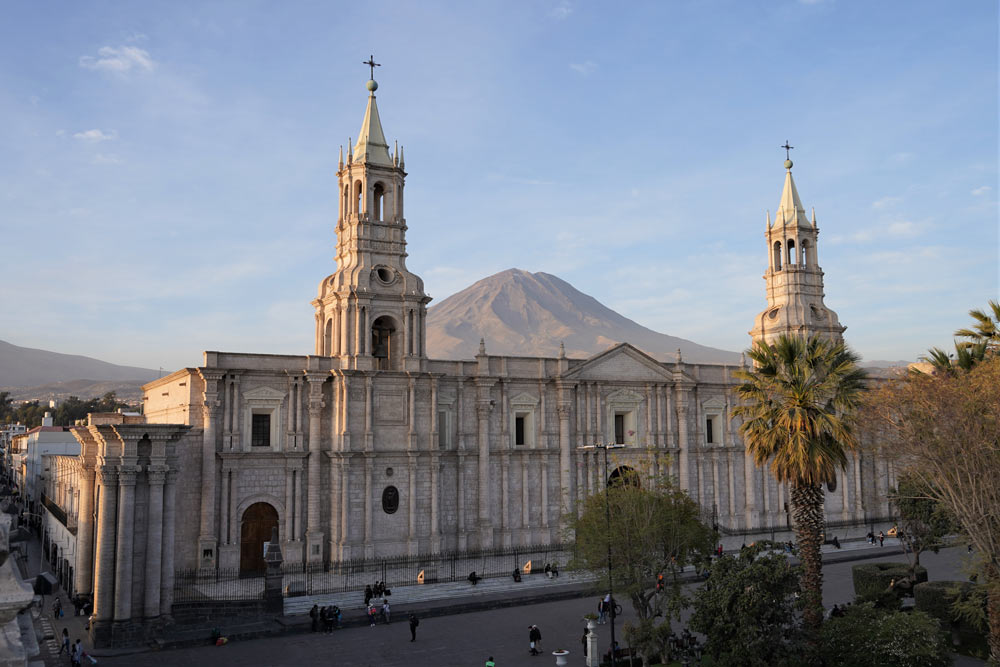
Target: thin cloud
{"points": [[121, 60], [584, 68], [106, 158], [95, 136], [886, 202], [982, 190], [561, 11]]}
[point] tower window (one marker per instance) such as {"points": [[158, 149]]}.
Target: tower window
{"points": [[519, 430], [358, 189], [777, 255], [378, 199], [619, 429], [709, 431], [806, 261], [261, 431], [791, 252]]}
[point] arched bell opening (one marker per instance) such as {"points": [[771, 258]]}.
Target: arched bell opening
{"points": [[386, 348], [624, 476]]}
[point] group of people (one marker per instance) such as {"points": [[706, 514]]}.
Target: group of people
{"points": [[605, 608], [378, 590], [871, 537], [75, 651], [376, 614], [326, 617]]}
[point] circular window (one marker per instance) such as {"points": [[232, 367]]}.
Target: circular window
{"points": [[831, 484], [390, 500], [388, 472], [384, 274], [773, 314]]}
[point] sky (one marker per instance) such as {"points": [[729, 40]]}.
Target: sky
{"points": [[168, 169]]}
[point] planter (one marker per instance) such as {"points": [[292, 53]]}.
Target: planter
{"points": [[560, 656]]}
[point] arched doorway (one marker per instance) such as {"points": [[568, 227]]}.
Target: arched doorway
{"points": [[623, 475], [255, 529]]}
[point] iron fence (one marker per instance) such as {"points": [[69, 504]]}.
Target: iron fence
{"points": [[354, 574]]}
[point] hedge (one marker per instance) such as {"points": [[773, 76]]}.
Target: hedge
{"points": [[935, 598], [873, 579]]}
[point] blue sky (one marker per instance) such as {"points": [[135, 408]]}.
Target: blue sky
{"points": [[168, 175]]}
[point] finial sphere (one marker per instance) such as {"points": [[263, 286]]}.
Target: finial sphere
{"points": [[788, 164], [372, 85]]}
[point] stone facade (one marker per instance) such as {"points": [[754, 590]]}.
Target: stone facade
{"points": [[368, 448]]}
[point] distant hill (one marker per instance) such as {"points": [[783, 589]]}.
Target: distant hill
{"points": [[530, 314], [83, 389], [30, 367]]}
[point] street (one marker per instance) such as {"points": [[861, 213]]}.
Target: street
{"points": [[468, 639]]}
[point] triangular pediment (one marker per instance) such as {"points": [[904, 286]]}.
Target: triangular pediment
{"points": [[621, 362], [524, 399], [714, 403], [263, 394]]}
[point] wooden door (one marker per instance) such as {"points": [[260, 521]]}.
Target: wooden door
{"points": [[255, 530]]}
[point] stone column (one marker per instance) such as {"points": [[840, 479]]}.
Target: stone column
{"points": [[123, 554], [107, 513], [345, 499], [369, 469], [483, 484], [412, 539], [435, 545], [167, 555], [565, 457], [463, 535], [684, 461], [84, 573], [314, 536], [207, 538], [154, 540], [505, 498]]}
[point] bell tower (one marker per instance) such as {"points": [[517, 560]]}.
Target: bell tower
{"points": [[371, 313], [794, 278]]}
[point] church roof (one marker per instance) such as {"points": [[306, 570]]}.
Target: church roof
{"points": [[371, 145], [790, 210]]}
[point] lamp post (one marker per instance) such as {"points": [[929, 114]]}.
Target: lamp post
{"points": [[607, 515]]}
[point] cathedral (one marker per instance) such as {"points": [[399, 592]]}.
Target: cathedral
{"points": [[368, 448]]}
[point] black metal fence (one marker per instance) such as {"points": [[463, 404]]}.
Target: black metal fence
{"points": [[355, 574]]}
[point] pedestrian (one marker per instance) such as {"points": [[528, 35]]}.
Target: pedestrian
{"points": [[870, 537], [490, 663], [368, 594], [414, 622], [335, 615], [314, 615], [372, 615], [602, 611], [881, 538], [77, 656], [64, 646], [534, 640], [57, 608], [385, 610]]}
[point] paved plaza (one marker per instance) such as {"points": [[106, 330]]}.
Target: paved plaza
{"points": [[470, 638]]}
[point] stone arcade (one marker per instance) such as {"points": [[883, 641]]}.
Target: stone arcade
{"points": [[367, 447]]}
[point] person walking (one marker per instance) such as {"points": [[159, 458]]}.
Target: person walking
{"points": [[64, 646], [77, 656], [385, 610], [372, 615], [414, 622], [534, 640], [368, 594], [881, 538], [314, 615], [602, 612]]}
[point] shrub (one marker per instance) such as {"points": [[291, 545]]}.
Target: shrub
{"points": [[872, 580], [869, 637], [937, 599]]}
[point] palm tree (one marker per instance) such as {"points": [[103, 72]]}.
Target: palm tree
{"points": [[798, 403], [965, 357], [986, 329]]}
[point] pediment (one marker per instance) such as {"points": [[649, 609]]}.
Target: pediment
{"points": [[263, 394], [622, 362], [524, 399], [714, 403]]}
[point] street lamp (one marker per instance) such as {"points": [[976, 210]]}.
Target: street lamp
{"points": [[607, 514]]}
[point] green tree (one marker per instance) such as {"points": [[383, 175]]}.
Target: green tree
{"points": [[798, 403], [655, 529], [746, 610], [942, 430], [966, 356], [923, 521], [869, 637]]}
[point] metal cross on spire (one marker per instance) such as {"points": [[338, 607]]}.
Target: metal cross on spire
{"points": [[787, 148], [372, 64]]}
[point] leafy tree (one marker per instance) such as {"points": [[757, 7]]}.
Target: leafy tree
{"points": [[797, 403], [869, 637], [924, 522], [746, 610], [655, 529], [944, 432], [965, 357]]}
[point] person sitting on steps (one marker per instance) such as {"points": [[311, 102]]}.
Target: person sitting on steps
{"points": [[474, 578]]}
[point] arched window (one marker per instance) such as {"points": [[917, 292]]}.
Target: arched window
{"points": [[378, 200], [805, 252], [791, 252], [622, 476], [345, 203], [358, 189], [777, 255], [385, 344], [328, 338]]}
